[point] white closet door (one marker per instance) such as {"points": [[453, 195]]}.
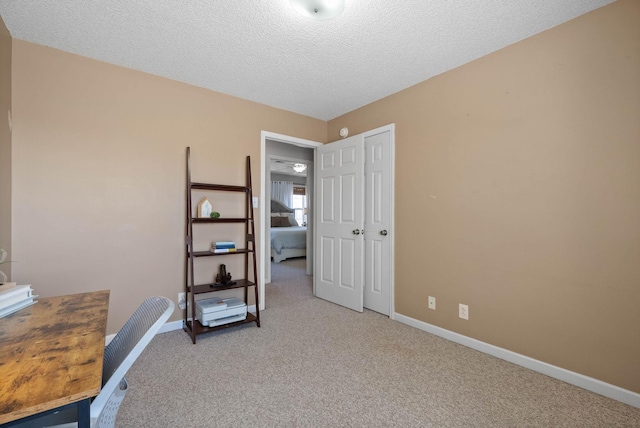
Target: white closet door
{"points": [[377, 222], [339, 222]]}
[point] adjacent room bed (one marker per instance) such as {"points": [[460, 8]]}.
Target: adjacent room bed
{"points": [[288, 240]]}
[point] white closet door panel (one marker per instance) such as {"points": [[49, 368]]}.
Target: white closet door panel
{"points": [[339, 243], [378, 227]]}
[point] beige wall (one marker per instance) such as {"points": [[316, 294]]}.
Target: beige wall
{"points": [[99, 172], [518, 193], [5, 144]]}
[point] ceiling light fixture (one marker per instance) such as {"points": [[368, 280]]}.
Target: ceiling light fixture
{"points": [[299, 167], [318, 9]]}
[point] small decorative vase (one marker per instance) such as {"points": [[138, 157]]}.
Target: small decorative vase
{"points": [[3, 257]]}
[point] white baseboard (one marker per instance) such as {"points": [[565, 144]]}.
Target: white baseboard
{"points": [[594, 385], [108, 339], [171, 326], [177, 325]]}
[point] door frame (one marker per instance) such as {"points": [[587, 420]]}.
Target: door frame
{"points": [[265, 206]]}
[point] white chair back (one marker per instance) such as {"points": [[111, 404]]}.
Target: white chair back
{"points": [[107, 418], [128, 344]]}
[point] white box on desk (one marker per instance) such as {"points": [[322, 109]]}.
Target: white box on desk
{"points": [[212, 312]]}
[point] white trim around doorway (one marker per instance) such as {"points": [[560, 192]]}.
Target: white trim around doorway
{"points": [[265, 207]]}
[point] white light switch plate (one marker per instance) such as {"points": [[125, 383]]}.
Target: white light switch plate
{"points": [[255, 202]]}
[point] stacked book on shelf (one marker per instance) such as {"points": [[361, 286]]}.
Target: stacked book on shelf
{"points": [[15, 297], [223, 247]]}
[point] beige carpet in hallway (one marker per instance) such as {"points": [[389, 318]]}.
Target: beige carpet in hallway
{"points": [[316, 364]]}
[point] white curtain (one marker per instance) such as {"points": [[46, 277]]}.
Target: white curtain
{"points": [[282, 191]]}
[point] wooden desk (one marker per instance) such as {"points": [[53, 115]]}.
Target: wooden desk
{"points": [[51, 355]]}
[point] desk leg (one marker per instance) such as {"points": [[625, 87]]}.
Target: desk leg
{"points": [[84, 413]]}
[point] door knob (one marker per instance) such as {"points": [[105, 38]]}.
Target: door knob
{"points": [[356, 231], [383, 232]]}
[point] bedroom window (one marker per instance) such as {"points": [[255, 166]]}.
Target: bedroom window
{"points": [[300, 204]]}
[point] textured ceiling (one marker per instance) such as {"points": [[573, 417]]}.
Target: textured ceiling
{"points": [[261, 50]]}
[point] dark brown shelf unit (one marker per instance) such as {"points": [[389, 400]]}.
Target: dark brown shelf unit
{"points": [[208, 288], [211, 253], [220, 187], [190, 323], [198, 328], [220, 220]]}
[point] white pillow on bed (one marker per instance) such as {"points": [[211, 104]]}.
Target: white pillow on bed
{"points": [[291, 217]]}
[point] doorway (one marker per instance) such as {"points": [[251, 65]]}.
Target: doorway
{"points": [[291, 185], [374, 279], [293, 144]]}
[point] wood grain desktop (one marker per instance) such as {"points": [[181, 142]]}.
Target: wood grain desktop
{"points": [[51, 354]]}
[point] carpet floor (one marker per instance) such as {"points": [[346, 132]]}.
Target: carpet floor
{"points": [[316, 364]]}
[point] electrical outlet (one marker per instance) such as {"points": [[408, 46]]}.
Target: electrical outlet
{"points": [[182, 300], [432, 303], [463, 311]]}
